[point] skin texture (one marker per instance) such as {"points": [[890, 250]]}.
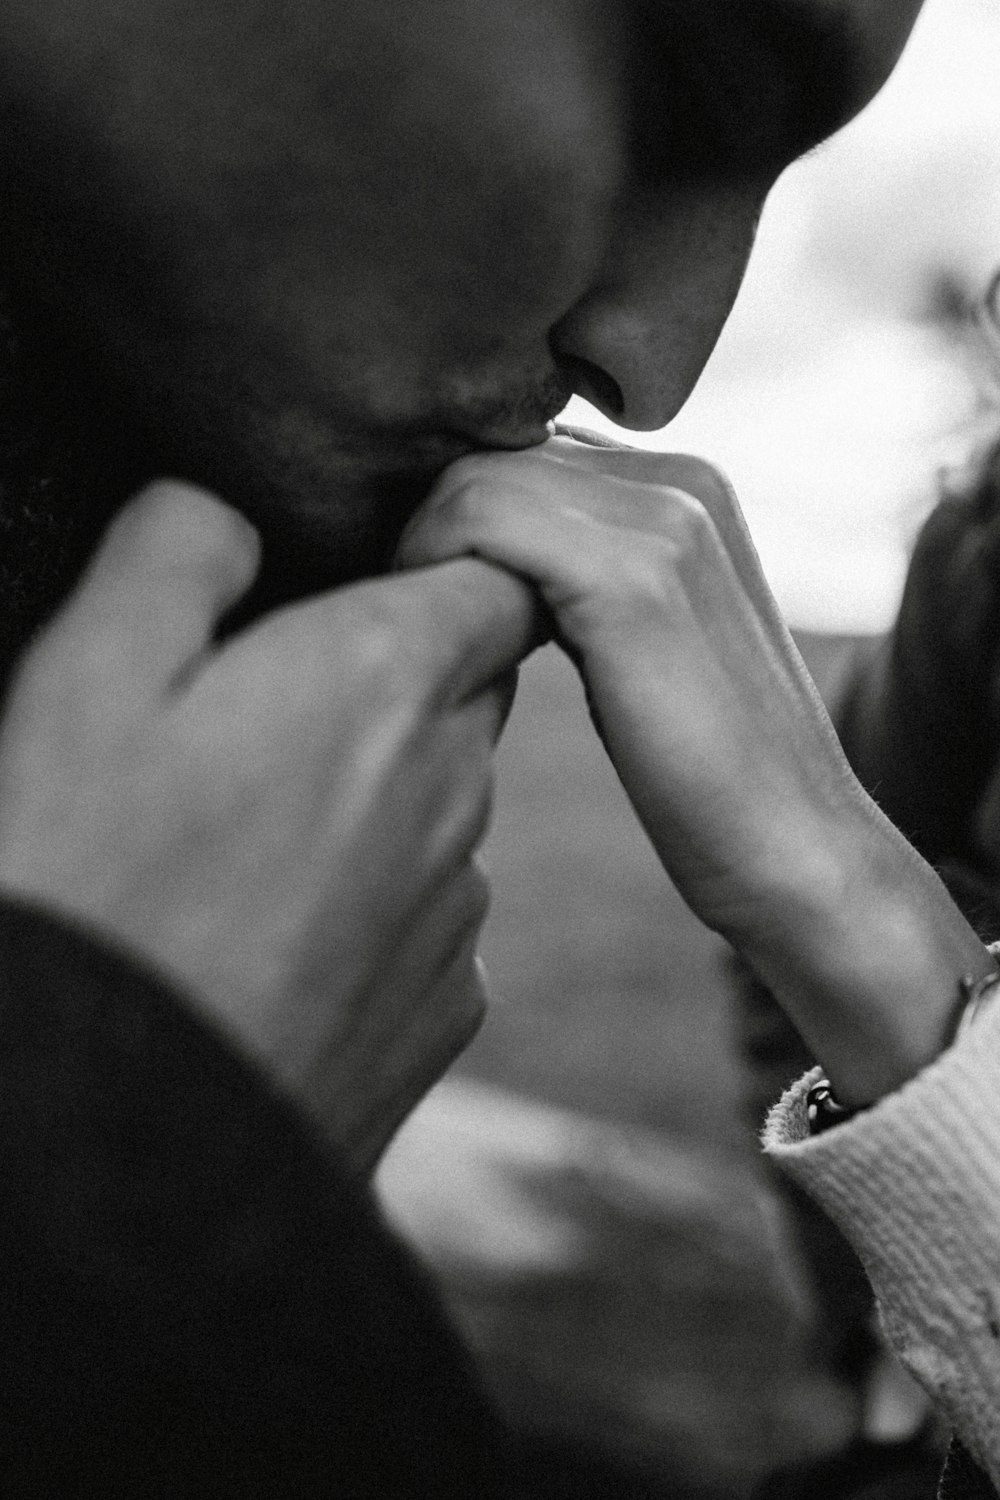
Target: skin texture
{"points": [[308, 256], [288, 834], [716, 730], [314, 253]]}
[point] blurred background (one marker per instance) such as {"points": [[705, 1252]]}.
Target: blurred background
{"points": [[586, 1184], [839, 384]]}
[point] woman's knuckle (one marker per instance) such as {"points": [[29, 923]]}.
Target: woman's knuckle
{"points": [[708, 479], [643, 572], [709, 473], [465, 476], [695, 516], [693, 532]]}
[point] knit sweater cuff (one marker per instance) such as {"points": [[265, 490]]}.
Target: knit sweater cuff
{"points": [[914, 1184]]}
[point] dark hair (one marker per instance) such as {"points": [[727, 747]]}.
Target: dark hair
{"points": [[978, 484], [725, 90]]}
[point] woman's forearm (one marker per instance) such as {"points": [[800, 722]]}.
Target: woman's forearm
{"points": [[721, 742], [865, 950]]}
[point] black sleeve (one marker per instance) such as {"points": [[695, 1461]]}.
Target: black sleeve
{"points": [[194, 1298]]}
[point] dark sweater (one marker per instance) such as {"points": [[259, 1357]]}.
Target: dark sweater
{"points": [[196, 1300]]}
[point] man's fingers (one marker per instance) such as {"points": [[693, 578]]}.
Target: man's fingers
{"points": [[171, 564], [443, 633], [473, 622]]}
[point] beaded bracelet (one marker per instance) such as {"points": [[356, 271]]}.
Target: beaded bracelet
{"points": [[823, 1110]]}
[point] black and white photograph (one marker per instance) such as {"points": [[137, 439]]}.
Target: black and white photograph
{"points": [[500, 750]]}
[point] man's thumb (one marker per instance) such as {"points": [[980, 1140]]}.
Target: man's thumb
{"points": [[170, 565]]}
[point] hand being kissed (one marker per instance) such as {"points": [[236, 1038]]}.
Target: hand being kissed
{"points": [[700, 696], [720, 739]]}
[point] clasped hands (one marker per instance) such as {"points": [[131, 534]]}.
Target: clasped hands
{"points": [[285, 824]]}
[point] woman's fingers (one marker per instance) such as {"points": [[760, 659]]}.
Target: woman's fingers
{"points": [[590, 523], [571, 481], [694, 477], [492, 513], [584, 523]]}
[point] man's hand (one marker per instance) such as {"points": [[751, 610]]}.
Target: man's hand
{"points": [[284, 825]]}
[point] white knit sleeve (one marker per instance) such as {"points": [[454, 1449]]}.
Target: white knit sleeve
{"points": [[914, 1184]]}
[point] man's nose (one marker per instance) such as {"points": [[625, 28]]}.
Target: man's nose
{"points": [[635, 343]]}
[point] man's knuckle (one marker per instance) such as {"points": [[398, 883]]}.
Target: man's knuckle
{"points": [[376, 640], [400, 631]]}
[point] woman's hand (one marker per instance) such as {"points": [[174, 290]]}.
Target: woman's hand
{"points": [[697, 689], [285, 825], [717, 733]]}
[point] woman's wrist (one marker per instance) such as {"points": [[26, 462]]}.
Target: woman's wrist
{"points": [[866, 952]]}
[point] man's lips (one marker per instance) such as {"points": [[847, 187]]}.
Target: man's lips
{"points": [[421, 461], [510, 423], [435, 451], [513, 441], [397, 484], [390, 470]]}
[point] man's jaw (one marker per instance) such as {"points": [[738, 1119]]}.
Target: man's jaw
{"points": [[346, 527], [378, 477]]}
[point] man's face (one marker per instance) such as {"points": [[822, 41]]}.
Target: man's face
{"points": [[319, 250]]}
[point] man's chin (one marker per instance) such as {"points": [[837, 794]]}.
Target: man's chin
{"points": [[313, 544]]}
